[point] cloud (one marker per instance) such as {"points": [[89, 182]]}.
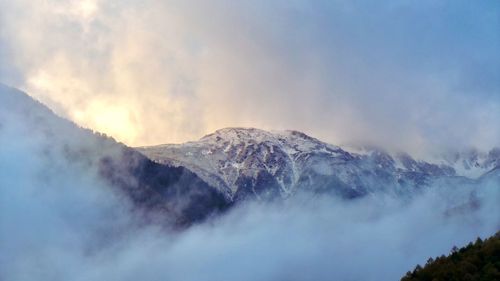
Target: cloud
{"points": [[60, 221], [402, 75], [327, 239]]}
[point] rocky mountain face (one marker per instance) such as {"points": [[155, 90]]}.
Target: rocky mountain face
{"points": [[471, 163], [178, 194], [246, 162]]}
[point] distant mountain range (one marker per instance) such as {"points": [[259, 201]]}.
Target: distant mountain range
{"points": [[247, 162]]}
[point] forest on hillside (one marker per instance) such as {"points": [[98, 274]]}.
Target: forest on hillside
{"points": [[478, 261]]}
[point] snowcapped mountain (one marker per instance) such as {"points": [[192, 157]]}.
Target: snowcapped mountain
{"points": [[243, 162], [188, 182], [471, 163]]}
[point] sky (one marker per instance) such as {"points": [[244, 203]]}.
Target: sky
{"points": [[412, 75]]}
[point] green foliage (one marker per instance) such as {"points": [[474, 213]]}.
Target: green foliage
{"points": [[478, 261]]}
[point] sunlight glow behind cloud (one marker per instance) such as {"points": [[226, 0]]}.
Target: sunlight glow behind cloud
{"points": [[115, 120]]}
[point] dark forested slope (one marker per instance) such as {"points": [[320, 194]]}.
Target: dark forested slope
{"points": [[478, 261]]}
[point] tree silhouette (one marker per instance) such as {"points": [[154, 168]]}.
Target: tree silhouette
{"points": [[478, 261]]}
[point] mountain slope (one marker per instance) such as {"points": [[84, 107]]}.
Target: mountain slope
{"points": [[247, 162], [177, 194]]}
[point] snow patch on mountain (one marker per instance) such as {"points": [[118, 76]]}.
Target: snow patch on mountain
{"points": [[247, 161]]}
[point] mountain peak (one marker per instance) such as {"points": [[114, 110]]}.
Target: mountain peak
{"points": [[238, 133], [291, 138]]}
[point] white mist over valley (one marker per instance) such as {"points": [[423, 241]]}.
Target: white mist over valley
{"points": [[263, 140]]}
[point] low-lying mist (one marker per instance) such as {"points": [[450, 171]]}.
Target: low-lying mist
{"points": [[60, 221], [67, 226]]}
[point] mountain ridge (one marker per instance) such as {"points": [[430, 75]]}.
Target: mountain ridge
{"points": [[240, 161], [176, 193]]}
